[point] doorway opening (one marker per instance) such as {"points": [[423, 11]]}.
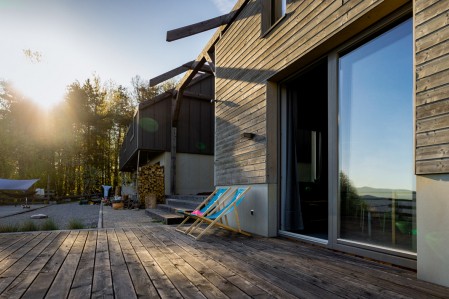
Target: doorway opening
{"points": [[304, 191]]}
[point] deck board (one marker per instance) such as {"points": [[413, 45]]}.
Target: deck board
{"points": [[157, 261], [82, 282], [44, 279]]}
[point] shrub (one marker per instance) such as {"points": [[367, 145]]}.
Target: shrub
{"points": [[29, 226], [75, 224], [49, 224], [9, 228]]}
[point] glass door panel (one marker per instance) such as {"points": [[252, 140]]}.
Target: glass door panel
{"points": [[377, 182], [304, 203]]}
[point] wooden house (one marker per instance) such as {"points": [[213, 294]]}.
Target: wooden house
{"points": [[337, 114], [149, 138]]}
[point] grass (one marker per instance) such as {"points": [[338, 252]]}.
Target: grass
{"points": [[29, 226], [8, 228], [49, 224], [75, 224]]}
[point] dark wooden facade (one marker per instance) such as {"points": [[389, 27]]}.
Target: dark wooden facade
{"points": [[150, 131]]}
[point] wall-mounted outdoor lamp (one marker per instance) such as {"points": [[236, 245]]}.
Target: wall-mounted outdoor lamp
{"points": [[247, 135]]}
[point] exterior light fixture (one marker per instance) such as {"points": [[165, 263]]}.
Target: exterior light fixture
{"points": [[247, 135]]}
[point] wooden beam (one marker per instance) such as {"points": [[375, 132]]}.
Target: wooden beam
{"points": [[177, 71], [183, 84], [210, 46], [199, 96], [199, 27], [170, 74], [210, 60]]}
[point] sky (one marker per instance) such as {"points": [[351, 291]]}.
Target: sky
{"points": [[48, 44], [376, 111]]}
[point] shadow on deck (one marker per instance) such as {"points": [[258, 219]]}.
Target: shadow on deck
{"points": [[160, 262]]}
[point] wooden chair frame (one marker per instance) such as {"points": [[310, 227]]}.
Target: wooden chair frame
{"points": [[218, 216], [211, 200]]}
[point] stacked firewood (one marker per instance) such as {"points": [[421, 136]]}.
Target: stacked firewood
{"points": [[151, 183]]}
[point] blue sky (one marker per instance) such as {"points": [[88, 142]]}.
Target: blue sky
{"points": [[114, 39], [376, 110]]}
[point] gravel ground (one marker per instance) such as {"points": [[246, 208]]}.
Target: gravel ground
{"points": [[126, 218], [61, 214]]}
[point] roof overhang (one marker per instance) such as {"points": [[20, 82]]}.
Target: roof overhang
{"points": [[16, 185]]}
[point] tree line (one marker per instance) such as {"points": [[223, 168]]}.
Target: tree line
{"points": [[73, 148]]}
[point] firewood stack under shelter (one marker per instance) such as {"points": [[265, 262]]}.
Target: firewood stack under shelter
{"points": [[151, 183]]}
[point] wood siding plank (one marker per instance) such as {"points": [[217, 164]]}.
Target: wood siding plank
{"points": [[432, 87]]}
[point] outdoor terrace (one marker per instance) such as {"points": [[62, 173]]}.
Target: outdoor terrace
{"points": [[157, 261]]}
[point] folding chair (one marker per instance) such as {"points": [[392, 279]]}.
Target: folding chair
{"points": [[205, 206], [218, 215]]}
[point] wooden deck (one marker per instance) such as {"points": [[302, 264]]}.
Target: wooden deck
{"points": [[160, 262]]}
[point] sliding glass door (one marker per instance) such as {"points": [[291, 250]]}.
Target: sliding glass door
{"points": [[347, 174], [305, 201], [376, 175]]}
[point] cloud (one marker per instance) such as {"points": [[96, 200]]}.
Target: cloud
{"points": [[224, 6]]}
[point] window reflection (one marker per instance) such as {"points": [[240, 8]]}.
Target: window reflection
{"points": [[377, 183]]}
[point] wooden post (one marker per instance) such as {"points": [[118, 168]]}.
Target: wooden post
{"points": [[137, 173], [393, 218], [173, 161]]}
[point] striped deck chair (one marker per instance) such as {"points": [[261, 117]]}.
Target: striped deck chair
{"points": [[218, 215], [204, 207]]}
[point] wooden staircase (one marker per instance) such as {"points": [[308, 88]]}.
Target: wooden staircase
{"points": [[171, 211]]}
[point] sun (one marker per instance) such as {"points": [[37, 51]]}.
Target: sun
{"points": [[37, 83]]}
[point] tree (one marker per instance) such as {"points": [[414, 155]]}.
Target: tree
{"points": [[142, 90]]}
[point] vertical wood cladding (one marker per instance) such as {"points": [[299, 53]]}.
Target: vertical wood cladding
{"points": [[432, 86], [152, 132], [245, 60]]}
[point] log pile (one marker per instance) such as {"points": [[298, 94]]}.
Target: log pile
{"points": [[151, 181]]}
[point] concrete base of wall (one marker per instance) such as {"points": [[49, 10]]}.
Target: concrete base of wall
{"points": [[258, 212], [433, 232], [194, 173]]}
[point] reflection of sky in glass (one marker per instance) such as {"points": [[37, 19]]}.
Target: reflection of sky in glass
{"points": [[376, 111]]}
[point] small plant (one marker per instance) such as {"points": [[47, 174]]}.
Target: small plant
{"points": [[9, 228], [49, 224], [75, 224], [29, 226]]}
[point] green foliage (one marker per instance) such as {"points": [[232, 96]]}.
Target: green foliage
{"points": [[75, 224], [73, 149], [49, 224], [348, 194], [8, 228], [28, 226]]}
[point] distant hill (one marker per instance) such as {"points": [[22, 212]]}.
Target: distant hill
{"points": [[386, 193]]}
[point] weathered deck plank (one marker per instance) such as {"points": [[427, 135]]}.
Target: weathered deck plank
{"points": [[102, 278], [60, 287], [158, 261], [143, 286], [24, 279], [159, 279], [187, 253], [43, 281], [82, 282], [182, 284]]}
